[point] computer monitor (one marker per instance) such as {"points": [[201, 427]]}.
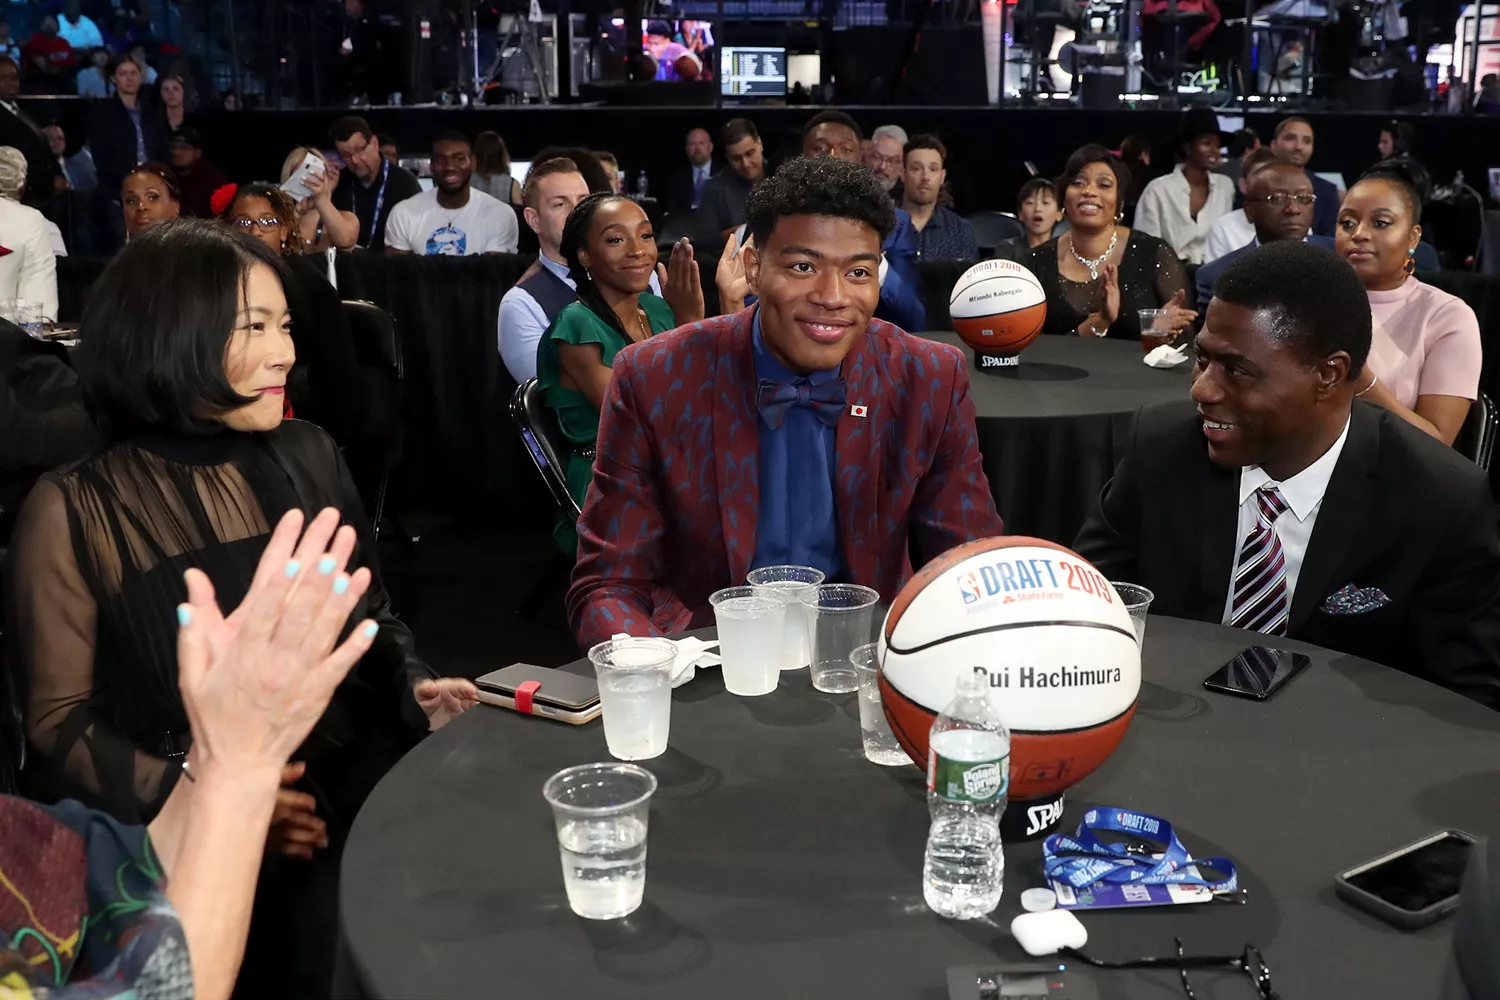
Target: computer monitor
{"points": [[752, 71]]}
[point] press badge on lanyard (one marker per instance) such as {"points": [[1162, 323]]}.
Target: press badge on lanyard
{"points": [[1150, 868]]}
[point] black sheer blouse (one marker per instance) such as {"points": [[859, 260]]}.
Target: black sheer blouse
{"points": [[95, 575], [1150, 274]]}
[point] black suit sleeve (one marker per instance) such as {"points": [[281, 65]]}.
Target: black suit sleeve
{"points": [[1109, 537], [1457, 617]]}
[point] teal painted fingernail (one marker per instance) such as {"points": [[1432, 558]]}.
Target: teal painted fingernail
{"points": [[341, 585], [370, 630], [184, 616], [326, 564], [293, 567]]}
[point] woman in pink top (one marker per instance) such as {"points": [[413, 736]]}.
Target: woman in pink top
{"points": [[1425, 353]]}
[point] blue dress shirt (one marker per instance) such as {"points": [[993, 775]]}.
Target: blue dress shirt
{"points": [[901, 292], [797, 525]]}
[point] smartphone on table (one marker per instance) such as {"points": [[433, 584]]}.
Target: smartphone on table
{"points": [[1257, 672], [551, 693], [1412, 886]]}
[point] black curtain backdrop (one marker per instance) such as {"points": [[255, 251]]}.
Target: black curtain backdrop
{"points": [[460, 452]]}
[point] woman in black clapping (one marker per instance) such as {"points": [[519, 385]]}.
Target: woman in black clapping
{"points": [[1099, 274], [184, 355]]}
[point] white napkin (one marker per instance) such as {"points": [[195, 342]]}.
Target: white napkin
{"points": [[691, 652], [1166, 356]]}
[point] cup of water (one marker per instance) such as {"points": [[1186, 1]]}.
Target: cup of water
{"points": [[841, 617], [1137, 601], [601, 811], [791, 583], [881, 745], [635, 694], [752, 627]]}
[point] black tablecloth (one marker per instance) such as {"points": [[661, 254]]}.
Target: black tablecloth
{"points": [[1052, 427], [782, 864]]}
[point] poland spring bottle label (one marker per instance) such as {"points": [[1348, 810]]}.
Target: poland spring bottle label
{"points": [[966, 780]]}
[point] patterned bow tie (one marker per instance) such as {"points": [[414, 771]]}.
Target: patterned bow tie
{"points": [[826, 400]]}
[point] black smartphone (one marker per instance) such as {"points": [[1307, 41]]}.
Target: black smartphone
{"points": [[1412, 886], [1257, 672]]}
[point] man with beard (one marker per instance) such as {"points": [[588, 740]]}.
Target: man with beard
{"points": [[885, 156], [721, 207], [372, 186], [685, 190], [1294, 143], [942, 234], [453, 219]]}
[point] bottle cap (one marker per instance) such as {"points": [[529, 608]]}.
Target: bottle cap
{"points": [[1037, 900]]}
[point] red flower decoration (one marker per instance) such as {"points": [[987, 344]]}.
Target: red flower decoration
{"points": [[223, 198]]}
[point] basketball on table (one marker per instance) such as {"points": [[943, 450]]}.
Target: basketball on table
{"points": [[1055, 639], [998, 307]]}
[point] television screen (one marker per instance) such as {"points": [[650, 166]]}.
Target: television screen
{"points": [[678, 50], [753, 71]]}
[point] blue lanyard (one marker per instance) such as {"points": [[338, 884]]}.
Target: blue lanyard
{"points": [[1083, 860], [385, 176]]}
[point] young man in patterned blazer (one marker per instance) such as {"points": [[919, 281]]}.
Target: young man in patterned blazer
{"points": [[800, 430]]}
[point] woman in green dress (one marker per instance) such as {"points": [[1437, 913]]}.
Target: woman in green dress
{"points": [[611, 254]]}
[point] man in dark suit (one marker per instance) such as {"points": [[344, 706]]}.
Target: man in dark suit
{"points": [[1294, 143], [1303, 511], [1273, 208], [798, 431], [685, 188], [19, 129]]}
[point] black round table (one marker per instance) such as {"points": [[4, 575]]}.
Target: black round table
{"points": [[1051, 428], [782, 864]]}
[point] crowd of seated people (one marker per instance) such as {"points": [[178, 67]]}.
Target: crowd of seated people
{"points": [[192, 391]]}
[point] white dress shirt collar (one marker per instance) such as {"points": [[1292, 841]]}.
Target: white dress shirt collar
{"points": [[1304, 491], [561, 270]]}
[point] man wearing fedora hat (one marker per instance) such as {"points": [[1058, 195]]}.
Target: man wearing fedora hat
{"points": [[1180, 207]]}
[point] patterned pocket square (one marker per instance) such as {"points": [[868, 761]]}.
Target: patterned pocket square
{"points": [[1352, 600]]}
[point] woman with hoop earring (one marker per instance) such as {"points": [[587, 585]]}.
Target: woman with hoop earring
{"points": [[1100, 274], [1425, 349]]}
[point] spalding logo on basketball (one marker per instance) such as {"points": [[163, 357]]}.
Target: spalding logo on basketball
{"points": [[1050, 632], [998, 307]]}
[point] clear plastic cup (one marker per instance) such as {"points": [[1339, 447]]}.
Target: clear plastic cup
{"points": [[790, 582], [1156, 329], [841, 618], [881, 745], [635, 693], [601, 812], [752, 626], [1137, 601]]}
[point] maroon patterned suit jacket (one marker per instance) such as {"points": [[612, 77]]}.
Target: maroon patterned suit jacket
{"points": [[671, 514]]}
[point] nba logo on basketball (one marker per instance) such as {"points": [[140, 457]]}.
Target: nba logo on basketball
{"points": [[968, 586]]}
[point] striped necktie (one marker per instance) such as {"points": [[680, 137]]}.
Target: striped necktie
{"points": [[1261, 603]]}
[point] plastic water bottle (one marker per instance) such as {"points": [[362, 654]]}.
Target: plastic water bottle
{"points": [[968, 775]]}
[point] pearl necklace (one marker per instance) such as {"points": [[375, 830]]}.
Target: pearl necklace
{"points": [[1094, 264]]}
